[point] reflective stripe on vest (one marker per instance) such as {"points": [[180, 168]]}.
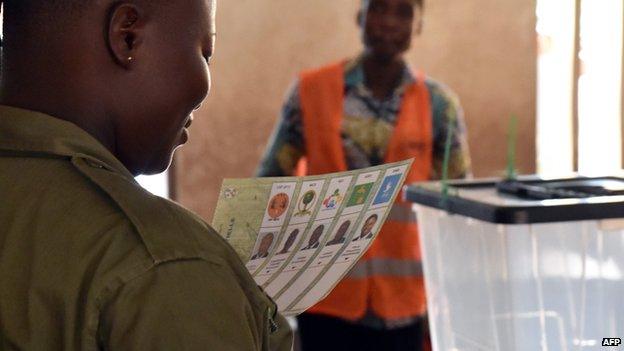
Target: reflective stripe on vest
{"points": [[386, 267]]}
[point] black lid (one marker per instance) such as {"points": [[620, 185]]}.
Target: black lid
{"points": [[529, 200]]}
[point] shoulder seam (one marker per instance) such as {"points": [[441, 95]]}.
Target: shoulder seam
{"points": [[157, 236]]}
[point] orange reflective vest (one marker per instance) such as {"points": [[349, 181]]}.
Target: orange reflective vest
{"points": [[388, 279]]}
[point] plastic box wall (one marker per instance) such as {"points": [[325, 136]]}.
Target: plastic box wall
{"points": [[553, 286]]}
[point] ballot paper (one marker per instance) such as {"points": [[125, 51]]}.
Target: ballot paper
{"points": [[299, 236]]}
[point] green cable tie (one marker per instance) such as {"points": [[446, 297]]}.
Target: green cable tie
{"points": [[446, 162], [511, 148]]}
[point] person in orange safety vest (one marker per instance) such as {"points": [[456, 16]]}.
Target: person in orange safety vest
{"points": [[364, 112]]}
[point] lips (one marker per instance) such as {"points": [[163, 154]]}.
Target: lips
{"points": [[184, 136], [189, 121], [387, 40]]}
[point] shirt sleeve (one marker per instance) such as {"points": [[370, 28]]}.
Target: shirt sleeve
{"points": [[447, 111], [185, 305], [286, 145]]}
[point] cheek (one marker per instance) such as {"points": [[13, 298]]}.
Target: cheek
{"points": [[408, 32], [187, 81], [183, 89]]}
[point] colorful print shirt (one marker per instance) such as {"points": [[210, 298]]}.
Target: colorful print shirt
{"points": [[367, 127]]}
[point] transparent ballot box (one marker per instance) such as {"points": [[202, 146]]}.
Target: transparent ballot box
{"points": [[523, 265]]}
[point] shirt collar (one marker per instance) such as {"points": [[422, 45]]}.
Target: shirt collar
{"points": [[354, 75], [34, 132]]}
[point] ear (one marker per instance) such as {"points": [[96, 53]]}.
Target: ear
{"points": [[126, 26], [419, 22], [359, 18], [418, 28]]}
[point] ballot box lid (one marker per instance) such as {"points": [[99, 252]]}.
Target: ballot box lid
{"points": [[526, 200]]}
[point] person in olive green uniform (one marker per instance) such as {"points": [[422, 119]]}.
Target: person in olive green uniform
{"points": [[94, 93]]}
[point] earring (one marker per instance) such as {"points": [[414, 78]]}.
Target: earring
{"points": [[130, 59]]}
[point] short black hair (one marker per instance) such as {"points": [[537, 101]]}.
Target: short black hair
{"points": [[43, 17], [374, 215], [13, 9], [49, 4], [419, 3], [22, 13]]}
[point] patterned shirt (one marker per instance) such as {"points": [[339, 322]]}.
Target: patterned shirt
{"points": [[367, 127], [366, 130]]}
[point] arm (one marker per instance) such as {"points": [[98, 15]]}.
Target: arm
{"points": [[286, 145], [186, 305], [447, 110]]}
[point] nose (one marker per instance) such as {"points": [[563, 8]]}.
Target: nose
{"points": [[389, 21]]}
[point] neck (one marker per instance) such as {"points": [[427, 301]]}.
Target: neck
{"points": [[56, 92], [382, 76]]}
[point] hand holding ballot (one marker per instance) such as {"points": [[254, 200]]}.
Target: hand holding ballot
{"points": [[300, 235]]}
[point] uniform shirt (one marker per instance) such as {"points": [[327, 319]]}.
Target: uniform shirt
{"points": [[367, 127], [90, 261]]}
